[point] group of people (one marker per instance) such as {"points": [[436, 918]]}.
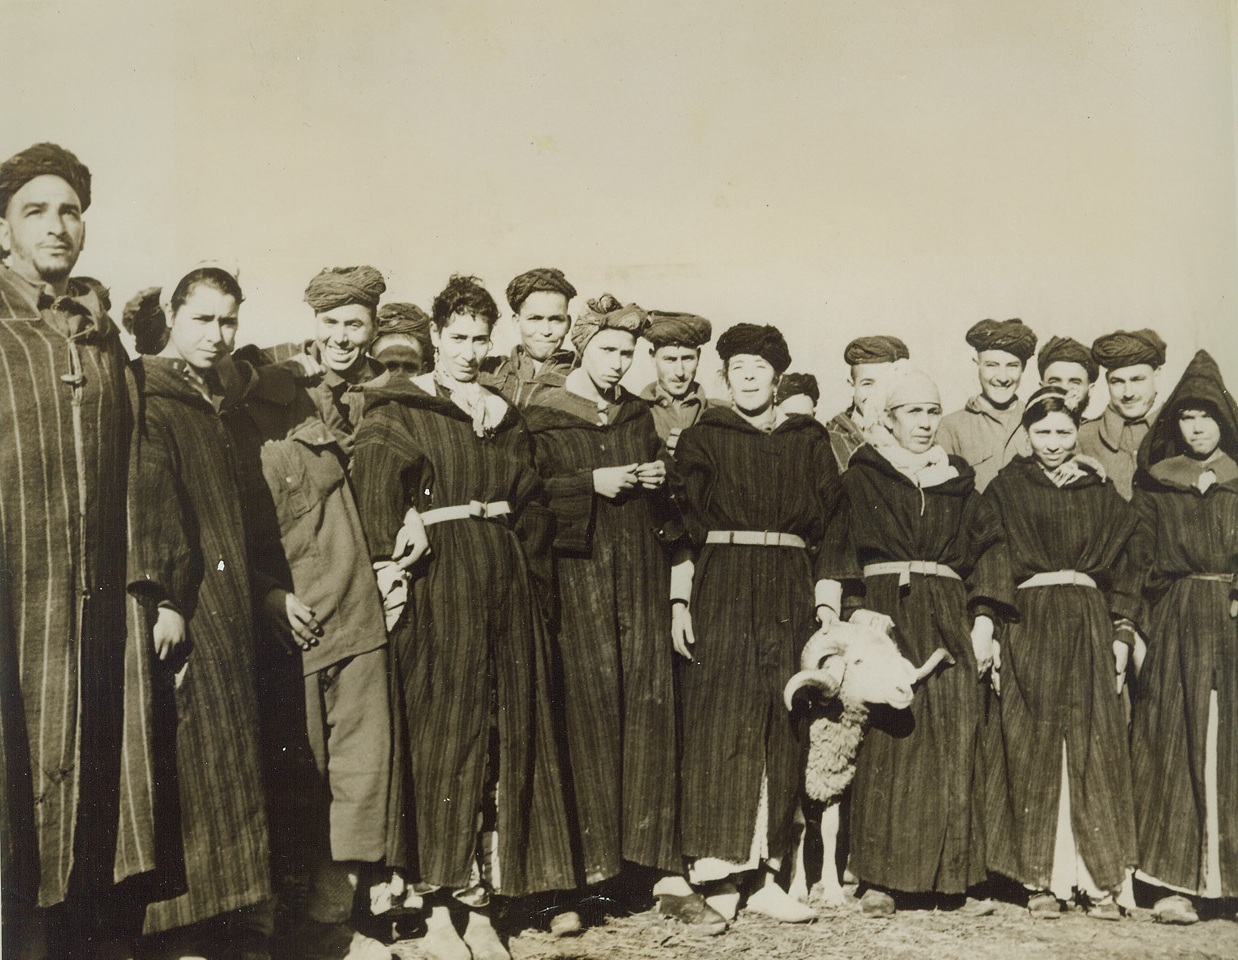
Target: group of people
{"points": [[447, 632]]}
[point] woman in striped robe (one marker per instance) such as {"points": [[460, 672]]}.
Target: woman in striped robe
{"points": [[447, 490], [1184, 746], [1052, 568]]}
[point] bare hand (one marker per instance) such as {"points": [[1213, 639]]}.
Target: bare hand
{"points": [[995, 675], [681, 630], [411, 541], [1233, 609], [651, 475], [294, 622], [1121, 655], [609, 482], [393, 586], [310, 367], [982, 643], [828, 617], [874, 621], [168, 632]]}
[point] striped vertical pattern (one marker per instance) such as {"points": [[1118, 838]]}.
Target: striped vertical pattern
{"points": [[64, 428], [1057, 671], [752, 611], [614, 633], [472, 648], [189, 546]]}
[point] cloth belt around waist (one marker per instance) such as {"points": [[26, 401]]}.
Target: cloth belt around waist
{"points": [[1058, 578], [755, 538], [905, 568], [473, 510], [1214, 577]]}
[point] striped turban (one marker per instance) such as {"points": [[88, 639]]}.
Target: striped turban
{"points": [[607, 313], [336, 286]]}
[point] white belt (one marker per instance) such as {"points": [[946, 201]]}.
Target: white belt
{"points": [[755, 538], [473, 510], [905, 568], [1057, 578]]}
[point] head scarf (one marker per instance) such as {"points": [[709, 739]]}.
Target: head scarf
{"points": [[1012, 336], [540, 280], [1127, 348], [607, 313], [793, 384], [1201, 388], [336, 286], [764, 341], [39, 160], [907, 384], [1066, 350], [678, 329], [879, 349]]}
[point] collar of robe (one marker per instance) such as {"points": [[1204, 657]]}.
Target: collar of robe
{"points": [[1198, 476]]}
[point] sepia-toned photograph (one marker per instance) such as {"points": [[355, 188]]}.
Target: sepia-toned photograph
{"points": [[557, 480]]}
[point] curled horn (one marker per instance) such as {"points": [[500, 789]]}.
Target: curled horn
{"points": [[805, 678], [935, 659]]}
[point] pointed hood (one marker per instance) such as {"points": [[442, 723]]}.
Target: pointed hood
{"points": [[1201, 387]]}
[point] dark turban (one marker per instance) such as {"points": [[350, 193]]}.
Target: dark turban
{"points": [[1067, 350], [36, 161], [680, 329], [403, 318], [1012, 336], [541, 280], [794, 384], [1126, 348], [765, 341], [336, 286], [875, 350], [607, 313]]}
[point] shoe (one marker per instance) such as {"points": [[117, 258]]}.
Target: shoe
{"points": [[693, 911], [483, 940], [774, 902], [443, 943], [566, 924], [1105, 910], [876, 903], [311, 940], [1044, 906], [1176, 909], [724, 899]]}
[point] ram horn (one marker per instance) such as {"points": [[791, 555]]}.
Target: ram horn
{"points": [[805, 678], [935, 659]]}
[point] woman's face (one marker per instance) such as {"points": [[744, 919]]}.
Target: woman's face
{"points": [[752, 381], [914, 425], [607, 357], [1200, 431], [1053, 439], [203, 329], [461, 346]]}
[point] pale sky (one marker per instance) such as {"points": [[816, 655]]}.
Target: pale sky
{"points": [[835, 167]]}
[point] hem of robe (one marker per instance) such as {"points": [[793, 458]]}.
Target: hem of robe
{"points": [[709, 869]]}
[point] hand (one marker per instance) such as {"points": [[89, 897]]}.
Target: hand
{"points": [[1121, 654], [651, 475], [995, 675], [681, 630], [294, 622], [310, 368], [393, 586], [827, 616], [411, 541], [1233, 609], [609, 482], [874, 621], [1139, 653], [168, 632], [982, 643]]}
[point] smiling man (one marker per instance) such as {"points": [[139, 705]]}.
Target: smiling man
{"points": [[1066, 363], [986, 431], [539, 300], [1131, 360], [869, 359], [677, 399]]}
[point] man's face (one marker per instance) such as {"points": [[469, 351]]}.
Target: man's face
{"points": [[1132, 390], [343, 334], [865, 378], [1000, 373], [1071, 377], [543, 322], [42, 229], [676, 366]]}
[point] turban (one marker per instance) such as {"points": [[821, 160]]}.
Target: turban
{"points": [[1126, 348], [336, 286], [680, 329], [607, 313], [1012, 336], [793, 384], [541, 280], [39, 160], [403, 318], [907, 384], [875, 350], [765, 341], [1066, 350]]}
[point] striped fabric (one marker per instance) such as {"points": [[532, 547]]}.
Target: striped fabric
{"points": [[189, 546], [471, 650], [1057, 671], [614, 636], [64, 434]]}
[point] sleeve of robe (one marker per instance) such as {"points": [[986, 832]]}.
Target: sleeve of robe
{"points": [[991, 584], [667, 518], [535, 523], [572, 499], [835, 558], [383, 458], [1141, 550], [1126, 577], [690, 483]]}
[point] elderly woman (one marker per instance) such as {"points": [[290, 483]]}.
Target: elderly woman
{"points": [[1184, 749], [756, 490], [599, 452], [916, 803], [1051, 538], [447, 490], [195, 587]]}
